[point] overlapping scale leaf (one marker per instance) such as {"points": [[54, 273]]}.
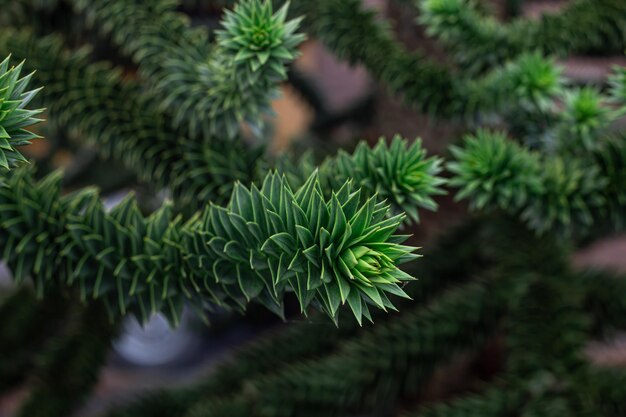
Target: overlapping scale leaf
{"points": [[14, 116], [398, 172]]}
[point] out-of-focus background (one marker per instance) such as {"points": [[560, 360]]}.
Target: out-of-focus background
{"points": [[348, 104]]}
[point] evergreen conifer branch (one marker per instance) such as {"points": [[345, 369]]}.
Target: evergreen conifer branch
{"points": [[300, 342], [14, 116], [265, 242], [493, 171], [207, 89], [397, 172], [346, 380], [430, 86], [95, 103], [480, 42]]}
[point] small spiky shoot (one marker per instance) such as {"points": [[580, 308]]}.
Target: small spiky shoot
{"points": [[256, 36], [547, 193], [14, 117], [536, 80], [398, 172], [585, 114], [492, 170], [327, 250], [242, 75]]}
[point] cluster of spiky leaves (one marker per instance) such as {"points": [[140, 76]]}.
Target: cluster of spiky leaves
{"points": [[243, 73], [572, 191], [397, 172], [493, 171], [87, 99], [535, 80], [207, 90], [331, 250], [585, 116], [256, 36], [265, 243], [479, 41], [530, 83], [14, 116], [94, 102]]}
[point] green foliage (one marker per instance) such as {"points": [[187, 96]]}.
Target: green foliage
{"points": [[492, 170], [264, 243], [397, 172], [546, 192], [301, 342], [326, 237], [530, 82], [242, 75], [368, 372], [94, 102], [14, 116], [536, 80], [611, 159], [28, 326], [494, 402], [257, 38], [68, 369], [586, 115], [479, 42], [617, 83], [208, 91], [572, 190]]}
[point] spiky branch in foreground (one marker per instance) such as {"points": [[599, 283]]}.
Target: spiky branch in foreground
{"points": [[14, 116], [267, 241]]}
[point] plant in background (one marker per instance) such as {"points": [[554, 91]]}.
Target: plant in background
{"points": [[242, 74], [397, 172], [541, 163], [491, 170], [586, 115]]}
